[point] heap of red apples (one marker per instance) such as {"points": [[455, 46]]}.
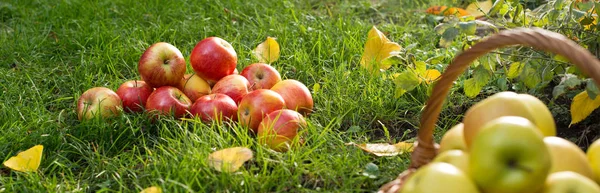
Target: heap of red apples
{"points": [[257, 97]]}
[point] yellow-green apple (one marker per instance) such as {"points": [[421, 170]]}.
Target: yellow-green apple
{"points": [[214, 107], [453, 139], [439, 177], [162, 64], [134, 94], [296, 96], [213, 58], [569, 182], [593, 155], [508, 155], [168, 100], [193, 86], [257, 104], [279, 129], [98, 102], [507, 104], [566, 156], [234, 86], [458, 158], [261, 76]]}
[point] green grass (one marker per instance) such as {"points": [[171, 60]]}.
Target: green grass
{"points": [[53, 51]]}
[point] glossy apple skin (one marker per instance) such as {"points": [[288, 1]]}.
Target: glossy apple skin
{"points": [[296, 96], [593, 155], [162, 64], [98, 102], [508, 155], [453, 139], [261, 76], [214, 106], [213, 58], [257, 104], [134, 94], [569, 182], [194, 87], [168, 100], [439, 177], [567, 156], [279, 129], [234, 86]]}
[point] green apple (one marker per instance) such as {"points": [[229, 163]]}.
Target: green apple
{"points": [[593, 155], [507, 104], [566, 156], [508, 155], [453, 139], [458, 158], [439, 177], [569, 182]]}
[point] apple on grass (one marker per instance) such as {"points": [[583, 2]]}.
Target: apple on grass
{"points": [[296, 96], [98, 102], [234, 86], [213, 58], [567, 156], [134, 94], [279, 129], [439, 177], [508, 155], [261, 76], [193, 86], [569, 182], [162, 64], [257, 104], [168, 100], [214, 107]]}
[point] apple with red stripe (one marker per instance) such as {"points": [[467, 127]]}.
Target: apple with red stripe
{"points": [[98, 102], [213, 58], [168, 100], [162, 64], [134, 94]]}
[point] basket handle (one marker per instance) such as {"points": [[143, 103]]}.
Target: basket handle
{"points": [[537, 38]]}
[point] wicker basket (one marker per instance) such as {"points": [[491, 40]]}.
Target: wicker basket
{"points": [[426, 149]]}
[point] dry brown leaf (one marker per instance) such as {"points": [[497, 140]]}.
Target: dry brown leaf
{"points": [[229, 159], [386, 149], [377, 48], [267, 51]]}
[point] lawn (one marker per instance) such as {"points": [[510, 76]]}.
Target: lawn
{"points": [[55, 50]]}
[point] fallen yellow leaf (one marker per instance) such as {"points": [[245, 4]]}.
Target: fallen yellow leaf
{"points": [[229, 159], [385, 149], [479, 8], [582, 106], [431, 75], [26, 161], [152, 189], [267, 51], [377, 48], [445, 10]]}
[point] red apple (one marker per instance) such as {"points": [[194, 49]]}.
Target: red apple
{"points": [[134, 94], [162, 64], [296, 95], [168, 100], [261, 76], [279, 129], [214, 107], [98, 102], [194, 87], [256, 104], [234, 86], [213, 58]]}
